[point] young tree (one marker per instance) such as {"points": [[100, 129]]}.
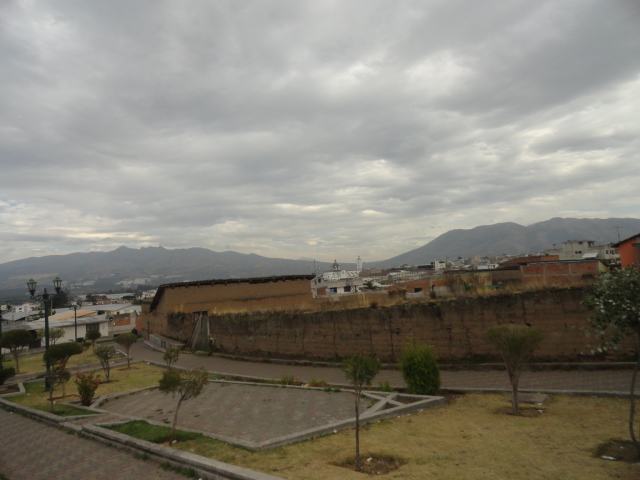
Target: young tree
{"points": [[92, 336], [58, 375], [170, 357], [360, 372], [516, 343], [55, 334], [58, 356], [105, 353], [126, 340], [615, 301], [15, 341], [419, 368], [187, 384]]}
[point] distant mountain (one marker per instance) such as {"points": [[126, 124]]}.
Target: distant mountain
{"points": [[512, 238], [101, 271]]}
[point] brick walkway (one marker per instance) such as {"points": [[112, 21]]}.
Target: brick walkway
{"points": [[31, 450], [250, 413], [584, 381]]}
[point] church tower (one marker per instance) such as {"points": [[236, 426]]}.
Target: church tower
{"points": [[359, 264]]}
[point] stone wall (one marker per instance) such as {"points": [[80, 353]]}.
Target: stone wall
{"points": [[454, 326]]}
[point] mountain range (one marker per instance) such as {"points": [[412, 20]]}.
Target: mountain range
{"points": [[100, 271]]}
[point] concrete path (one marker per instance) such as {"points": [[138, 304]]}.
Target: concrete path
{"points": [[577, 381], [31, 450]]}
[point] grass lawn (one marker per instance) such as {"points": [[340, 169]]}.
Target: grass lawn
{"points": [[140, 375], [472, 438], [35, 364]]}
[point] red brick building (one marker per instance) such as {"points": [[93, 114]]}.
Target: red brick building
{"points": [[629, 250]]}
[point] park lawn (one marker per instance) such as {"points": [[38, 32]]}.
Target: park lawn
{"points": [[141, 375], [466, 439], [35, 364]]}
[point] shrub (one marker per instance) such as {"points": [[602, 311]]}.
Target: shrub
{"points": [[6, 373], [87, 386], [419, 368]]}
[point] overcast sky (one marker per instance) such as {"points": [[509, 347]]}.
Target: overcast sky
{"points": [[317, 129]]}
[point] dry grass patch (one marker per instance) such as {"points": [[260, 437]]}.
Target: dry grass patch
{"points": [[141, 377], [463, 440]]}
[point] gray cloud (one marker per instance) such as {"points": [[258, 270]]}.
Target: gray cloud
{"points": [[317, 129]]}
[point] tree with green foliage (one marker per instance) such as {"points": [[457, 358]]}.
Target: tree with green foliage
{"points": [[360, 372], [187, 384], [60, 299], [516, 344], [92, 336], [126, 340], [57, 375], [55, 334], [105, 353], [419, 368], [59, 355], [15, 341], [170, 357], [615, 301]]}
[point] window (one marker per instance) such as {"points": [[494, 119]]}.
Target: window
{"points": [[93, 326]]}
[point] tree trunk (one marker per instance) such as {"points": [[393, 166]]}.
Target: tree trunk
{"points": [[357, 431], [175, 420], [514, 378], [632, 401]]}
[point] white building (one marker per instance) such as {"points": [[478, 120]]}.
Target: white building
{"points": [[336, 282]]}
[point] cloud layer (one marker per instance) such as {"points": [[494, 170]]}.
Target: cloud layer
{"points": [[321, 129]]}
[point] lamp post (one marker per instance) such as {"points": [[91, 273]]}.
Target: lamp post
{"points": [[8, 302], [75, 319], [47, 301]]}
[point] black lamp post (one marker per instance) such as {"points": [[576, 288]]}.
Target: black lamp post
{"points": [[47, 300], [75, 319], [8, 310]]}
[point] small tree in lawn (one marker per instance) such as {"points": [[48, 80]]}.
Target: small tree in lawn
{"points": [[92, 336], [15, 341], [187, 384], [58, 356], [360, 371], [516, 343], [105, 353], [55, 334], [126, 340], [171, 356], [58, 375], [615, 300]]}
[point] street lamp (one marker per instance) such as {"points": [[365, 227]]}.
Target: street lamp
{"points": [[8, 302], [75, 319], [47, 300]]}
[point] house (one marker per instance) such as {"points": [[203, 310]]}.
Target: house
{"points": [[629, 249], [574, 249], [336, 282], [562, 272]]}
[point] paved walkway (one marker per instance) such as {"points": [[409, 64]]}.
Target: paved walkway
{"points": [[30, 450], [576, 381]]}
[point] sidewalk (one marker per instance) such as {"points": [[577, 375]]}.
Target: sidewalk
{"points": [[581, 382], [46, 453]]}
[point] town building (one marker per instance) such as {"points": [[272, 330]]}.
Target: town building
{"points": [[629, 249], [336, 282], [576, 249]]}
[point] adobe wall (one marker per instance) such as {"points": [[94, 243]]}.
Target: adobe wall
{"points": [[454, 327], [224, 298]]}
